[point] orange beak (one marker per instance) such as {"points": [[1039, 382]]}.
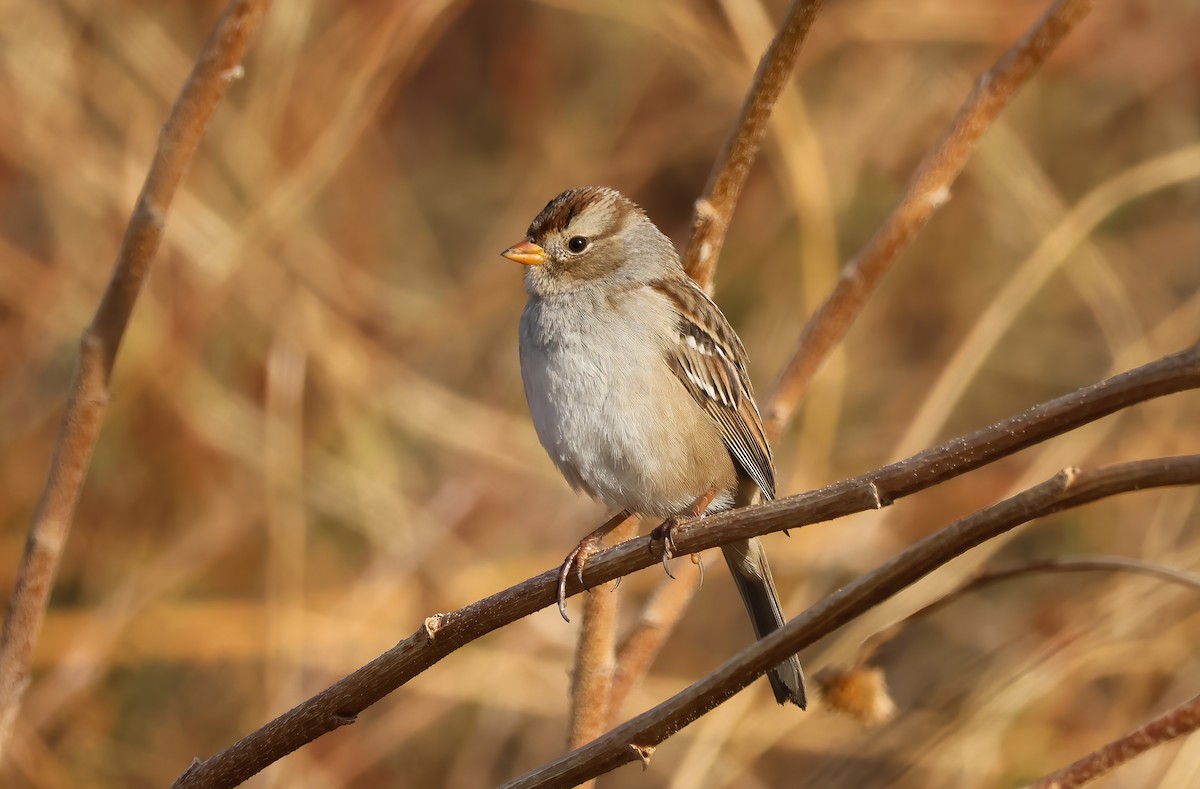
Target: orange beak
{"points": [[526, 253]]}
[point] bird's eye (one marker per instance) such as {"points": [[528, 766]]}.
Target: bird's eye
{"points": [[577, 244]]}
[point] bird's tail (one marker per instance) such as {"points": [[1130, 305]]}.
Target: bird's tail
{"points": [[748, 564]]}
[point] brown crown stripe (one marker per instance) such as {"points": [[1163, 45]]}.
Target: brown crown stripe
{"points": [[559, 212]]}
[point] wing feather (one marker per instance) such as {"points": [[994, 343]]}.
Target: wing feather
{"points": [[710, 361]]}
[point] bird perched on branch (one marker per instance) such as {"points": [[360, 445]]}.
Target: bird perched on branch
{"points": [[638, 387]]}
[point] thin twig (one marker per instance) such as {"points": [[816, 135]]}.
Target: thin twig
{"points": [[217, 66], [928, 190], [985, 577], [1182, 720], [442, 634], [714, 208], [1069, 488]]}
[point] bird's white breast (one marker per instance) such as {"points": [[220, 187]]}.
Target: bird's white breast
{"points": [[607, 407]]}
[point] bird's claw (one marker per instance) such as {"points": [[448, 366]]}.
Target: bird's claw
{"points": [[577, 559], [665, 533]]}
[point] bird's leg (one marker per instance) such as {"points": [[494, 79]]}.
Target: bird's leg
{"points": [[578, 557], [665, 531]]}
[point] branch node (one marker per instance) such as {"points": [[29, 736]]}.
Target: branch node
{"points": [[643, 753], [90, 343], [1068, 476], [706, 211], [233, 73], [939, 196], [93, 368], [881, 501], [191, 768], [342, 719], [149, 210], [432, 625], [852, 273]]}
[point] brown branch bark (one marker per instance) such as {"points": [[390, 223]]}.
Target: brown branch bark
{"points": [[595, 665], [216, 67], [443, 634], [928, 190], [1069, 488], [714, 209], [1182, 720]]}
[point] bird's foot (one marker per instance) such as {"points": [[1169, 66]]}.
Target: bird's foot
{"points": [[578, 557], [665, 533], [575, 559]]}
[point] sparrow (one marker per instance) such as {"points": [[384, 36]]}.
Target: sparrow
{"points": [[638, 388]]}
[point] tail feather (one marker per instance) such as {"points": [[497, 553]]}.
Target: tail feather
{"points": [[748, 564]]}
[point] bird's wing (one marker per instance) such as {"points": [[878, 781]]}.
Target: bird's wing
{"points": [[710, 361]]}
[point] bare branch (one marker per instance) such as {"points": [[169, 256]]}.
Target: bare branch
{"points": [[1069, 488], [341, 702], [927, 192], [714, 208], [1182, 720], [217, 66]]}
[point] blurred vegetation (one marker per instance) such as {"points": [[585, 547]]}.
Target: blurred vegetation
{"points": [[318, 434]]}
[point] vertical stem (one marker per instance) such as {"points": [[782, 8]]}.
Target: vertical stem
{"points": [[714, 208], [595, 656]]}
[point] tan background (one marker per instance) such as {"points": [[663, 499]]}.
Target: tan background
{"points": [[318, 435]]}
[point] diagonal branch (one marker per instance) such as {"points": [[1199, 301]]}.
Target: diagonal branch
{"points": [[217, 65], [636, 739], [928, 190], [442, 634], [1182, 720], [714, 209]]}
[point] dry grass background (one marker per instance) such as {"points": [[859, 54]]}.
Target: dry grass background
{"points": [[318, 435]]}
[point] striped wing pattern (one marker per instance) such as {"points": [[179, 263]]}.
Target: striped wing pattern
{"points": [[710, 361]]}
